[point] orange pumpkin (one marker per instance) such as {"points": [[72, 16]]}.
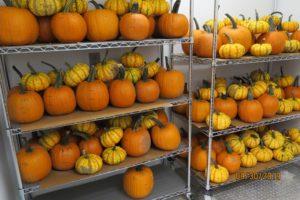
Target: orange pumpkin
{"points": [[173, 25], [200, 110], [229, 159], [165, 136], [147, 90], [238, 34], [18, 26], [64, 155], [59, 99], [196, 34], [34, 163], [296, 36], [218, 145], [269, 103], [68, 27], [250, 110], [162, 116], [138, 182], [45, 33], [199, 157], [204, 47], [181, 109], [133, 25], [171, 82], [24, 106], [90, 144], [136, 141], [226, 105], [92, 95], [152, 24], [102, 24], [121, 91], [275, 38], [185, 139], [294, 90]]}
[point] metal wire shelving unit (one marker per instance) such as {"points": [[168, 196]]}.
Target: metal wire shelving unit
{"points": [[237, 125], [62, 182]]}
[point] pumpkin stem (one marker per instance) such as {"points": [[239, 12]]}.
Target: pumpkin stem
{"points": [[272, 25], [246, 151], [228, 148], [215, 163], [206, 83], [176, 6], [8, 3], [256, 15], [105, 57], [31, 68], [35, 134], [83, 152], [68, 65], [137, 123], [262, 145], [161, 125], [183, 131], [139, 168], [157, 60], [133, 50], [202, 144], [224, 96], [167, 64], [97, 6], [276, 12], [296, 82], [65, 138], [280, 25], [81, 134], [281, 71], [17, 71], [243, 17], [196, 23], [206, 28], [273, 134], [250, 95], [145, 74], [290, 18], [185, 91], [233, 22], [22, 89], [50, 65], [229, 38], [113, 148], [135, 7], [26, 145], [68, 5], [59, 79], [91, 77], [271, 90], [121, 73], [253, 136]]}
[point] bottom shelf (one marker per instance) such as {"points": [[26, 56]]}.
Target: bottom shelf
{"points": [[248, 172], [167, 184]]}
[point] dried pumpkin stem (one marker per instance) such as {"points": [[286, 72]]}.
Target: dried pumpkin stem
{"points": [[271, 90], [250, 94], [26, 145], [145, 74], [105, 57], [233, 22], [91, 77], [31, 68], [176, 6], [134, 49], [157, 60], [59, 79], [8, 3], [167, 64], [50, 65], [206, 28], [243, 17], [68, 65], [276, 12], [121, 73], [65, 138], [135, 8], [196, 23], [256, 15], [229, 38], [290, 18], [272, 25], [215, 163], [97, 5], [138, 123], [17, 71], [281, 71], [22, 89], [183, 131], [81, 134], [139, 168], [228, 148], [159, 123], [185, 90]]}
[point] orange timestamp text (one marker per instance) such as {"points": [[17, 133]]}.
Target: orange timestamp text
{"points": [[271, 176]]}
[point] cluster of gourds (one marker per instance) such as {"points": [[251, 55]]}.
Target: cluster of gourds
{"points": [[58, 92], [86, 146], [253, 98], [244, 150], [69, 21], [236, 37]]}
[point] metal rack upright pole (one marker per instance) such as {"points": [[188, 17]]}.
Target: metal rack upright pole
{"points": [[212, 88]]}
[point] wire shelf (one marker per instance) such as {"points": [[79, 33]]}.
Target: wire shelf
{"points": [[237, 125], [38, 48], [243, 60]]}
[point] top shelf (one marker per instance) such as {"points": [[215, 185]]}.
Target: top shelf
{"points": [[243, 60], [38, 48]]}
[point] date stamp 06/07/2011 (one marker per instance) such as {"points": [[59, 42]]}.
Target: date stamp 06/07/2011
{"points": [[271, 176]]}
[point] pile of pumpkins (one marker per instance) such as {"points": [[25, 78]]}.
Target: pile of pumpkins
{"points": [[244, 150], [251, 99], [92, 88], [70, 21], [239, 36], [86, 146]]}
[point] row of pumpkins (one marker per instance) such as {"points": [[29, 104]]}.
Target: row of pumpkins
{"points": [[66, 24], [253, 98], [85, 146], [236, 37], [114, 84], [244, 150]]}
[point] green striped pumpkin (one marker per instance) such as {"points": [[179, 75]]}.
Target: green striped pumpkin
{"points": [[45, 7]]}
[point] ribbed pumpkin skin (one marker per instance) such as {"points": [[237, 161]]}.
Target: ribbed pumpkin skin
{"points": [[68, 27], [250, 111], [92, 96], [25, 108], [91, 145], [226, 105], [36, 82], [64, 157], [122, 122], [270, 104], [45, 33], [114, 155], [200, 110], [138, 183], [89, 128], [120, 7], [45, 7], [147, 91], [122, 93], [50, 139], [18, 27], [111, 137], [20, 3], [276, 39], [59, 101], [88, 164], [173, 25], [199, 158], [102, 25], [75, 75], [35, 165], [136, 142]]}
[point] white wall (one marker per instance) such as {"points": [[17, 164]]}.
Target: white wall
{"points": [[203, 11]]}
